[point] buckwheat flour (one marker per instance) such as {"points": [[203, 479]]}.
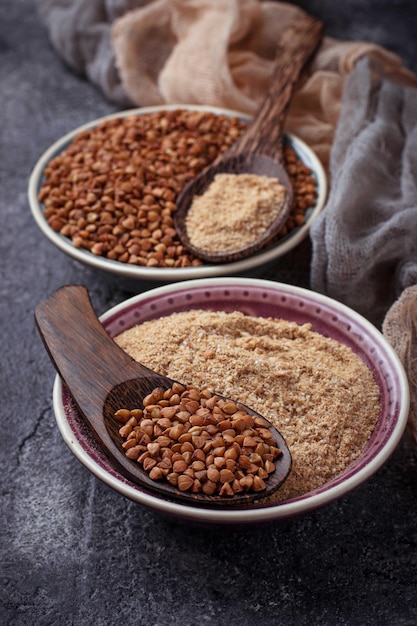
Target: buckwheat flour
{"points": [[234, 211], [319, 394]]}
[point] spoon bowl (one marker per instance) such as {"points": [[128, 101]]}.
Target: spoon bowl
{"points": [[102, 379], [259, 150], [258, 164]]}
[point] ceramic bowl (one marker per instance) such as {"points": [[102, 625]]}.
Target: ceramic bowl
{"points": [[259, 298], [133, 274]]}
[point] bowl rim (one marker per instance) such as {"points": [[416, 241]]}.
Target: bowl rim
{"points": [[170, 274], [280, 511]]}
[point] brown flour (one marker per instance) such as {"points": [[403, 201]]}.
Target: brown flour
{"points": [[234, 211], [317, 392]]}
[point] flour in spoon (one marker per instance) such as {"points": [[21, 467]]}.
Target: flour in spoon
{"points": [[234, 211]]}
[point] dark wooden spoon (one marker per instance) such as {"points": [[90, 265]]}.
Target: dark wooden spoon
{"points": [[260, 149], [102, 378]]}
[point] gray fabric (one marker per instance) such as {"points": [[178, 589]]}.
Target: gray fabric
{"points": [[364, 243], [80, 31]]}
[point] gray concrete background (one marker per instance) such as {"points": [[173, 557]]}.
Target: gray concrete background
{"points": [[72, 552]]}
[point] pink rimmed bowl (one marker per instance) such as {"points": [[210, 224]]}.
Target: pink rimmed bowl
{"points": [[266, 299]]}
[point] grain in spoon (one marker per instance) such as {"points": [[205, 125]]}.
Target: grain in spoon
{"points": [[103, 380]]}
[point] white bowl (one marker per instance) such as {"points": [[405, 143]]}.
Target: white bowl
{"points": [[133, 273], [262, 298]]}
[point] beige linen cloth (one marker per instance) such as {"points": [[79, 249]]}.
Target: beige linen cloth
{"points": [[221, 54], [400, 328]]}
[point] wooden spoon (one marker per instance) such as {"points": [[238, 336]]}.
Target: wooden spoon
{"points": [[102, 378], [260, 149]]}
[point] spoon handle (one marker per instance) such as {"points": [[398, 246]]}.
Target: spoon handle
{"points": [[85, 356], [296, 45]]}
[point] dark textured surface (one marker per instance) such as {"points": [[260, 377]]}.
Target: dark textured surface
{"points": [[74, 552]]}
